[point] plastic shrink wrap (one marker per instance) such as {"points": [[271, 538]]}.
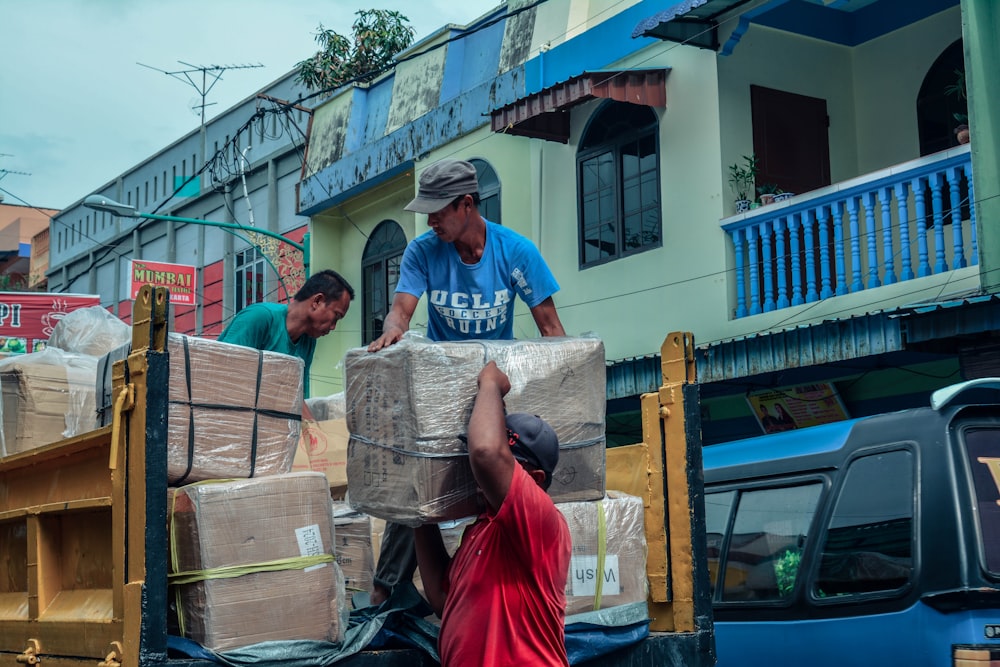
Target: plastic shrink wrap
{"points": [[408, 405], [276, 534], [354, 549], [233, 411], [46, 396], [92, 330], [608, 566]]}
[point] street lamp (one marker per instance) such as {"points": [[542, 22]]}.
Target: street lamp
{"points": [[102, 203]]}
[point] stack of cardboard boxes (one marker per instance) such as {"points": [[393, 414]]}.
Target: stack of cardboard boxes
{"points": [[251, 542], [407, 411]]}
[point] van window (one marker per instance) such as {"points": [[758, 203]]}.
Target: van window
{"points": [[768, 535], [718, 507], [983, 449], [869, 541]]}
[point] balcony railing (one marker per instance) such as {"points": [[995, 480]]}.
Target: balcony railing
{"points": [[907, 221]]}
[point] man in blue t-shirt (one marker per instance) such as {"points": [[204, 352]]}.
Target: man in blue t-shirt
{"points": [[471, 270], [294, 327]]}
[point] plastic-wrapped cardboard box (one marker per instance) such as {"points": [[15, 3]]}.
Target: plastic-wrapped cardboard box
{"points": [[47, 396], [278, 534], [353, 549], [234, 412], [323, 448], [408, 405], [608, 566]]}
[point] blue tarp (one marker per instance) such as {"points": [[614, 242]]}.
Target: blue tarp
{"points": [[399, 622]]}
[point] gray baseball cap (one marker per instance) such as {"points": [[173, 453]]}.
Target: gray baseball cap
{"points": [[441, 183]]}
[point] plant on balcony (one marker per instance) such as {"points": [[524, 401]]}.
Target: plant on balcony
{"points": [[767, 192], [958, 90], [742, 178]]}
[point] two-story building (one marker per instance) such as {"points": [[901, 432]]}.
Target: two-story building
{"points": [[606, 133]]}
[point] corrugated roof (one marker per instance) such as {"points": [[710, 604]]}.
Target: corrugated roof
{"points": [[821, 343]]}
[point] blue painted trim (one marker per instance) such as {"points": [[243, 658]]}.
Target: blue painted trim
{"points": [[451, 79], [833, 24], [393, 154], [605, 43], [651, 22], [776, 446], [357, 189], [744, 24], [24, 250]]}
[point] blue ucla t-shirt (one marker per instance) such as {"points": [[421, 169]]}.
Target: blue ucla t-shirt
{"points": [[475, 301]]}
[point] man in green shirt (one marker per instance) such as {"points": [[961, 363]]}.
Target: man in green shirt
{"points": [[294, 327]]}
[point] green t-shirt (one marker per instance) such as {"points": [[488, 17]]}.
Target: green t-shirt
{"points": [[262, 327]]}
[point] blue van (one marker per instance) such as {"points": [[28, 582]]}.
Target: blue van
{"points": [[873, 541]]}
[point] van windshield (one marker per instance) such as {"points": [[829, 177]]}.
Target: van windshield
{"points": [[982, 446]]}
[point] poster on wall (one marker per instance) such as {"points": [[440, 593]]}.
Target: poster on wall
{"points": [[178, 278], [28, 318], [800, 406]]}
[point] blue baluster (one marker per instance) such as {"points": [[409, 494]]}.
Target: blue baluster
{"points": [[767, 265], [741, 297], [972, 221], [826, 286], [754, 273], [807, 226], [869, 202], [920, 206], [794, 225], [905, 252], [782, 260], [852, 213], [958, 253], [937, 208], [885, 198]]}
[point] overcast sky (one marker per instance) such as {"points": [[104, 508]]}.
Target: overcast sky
{"points": [[76, 109]]}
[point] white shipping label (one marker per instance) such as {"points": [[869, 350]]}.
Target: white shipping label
{"points": [[583, 573], [310, 543]]}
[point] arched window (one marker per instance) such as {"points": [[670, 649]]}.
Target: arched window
{"points": [[489, 190], [380, 271], [618, 179], [941, 102]]}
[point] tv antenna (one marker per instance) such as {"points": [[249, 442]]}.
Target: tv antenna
{"points": [[207, 71], [5, 172]]}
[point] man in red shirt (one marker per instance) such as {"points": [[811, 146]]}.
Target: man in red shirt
{"points": [[502, 598]]}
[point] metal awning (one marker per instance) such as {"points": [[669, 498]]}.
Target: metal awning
{"points": [[545, 114], [690, 22]]}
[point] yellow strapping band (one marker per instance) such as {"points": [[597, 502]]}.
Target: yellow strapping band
{"points": [[602, 550], [231, 571], [228, 572]]}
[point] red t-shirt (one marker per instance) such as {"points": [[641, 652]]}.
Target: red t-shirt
{"points": [[506, 601]]}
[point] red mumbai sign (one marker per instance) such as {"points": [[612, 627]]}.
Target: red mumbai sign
{"points": [[28, 318], [178, 278]]}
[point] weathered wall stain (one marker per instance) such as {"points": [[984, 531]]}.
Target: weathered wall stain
{"points": [[329, 128], [517, 36], [416, 89]]}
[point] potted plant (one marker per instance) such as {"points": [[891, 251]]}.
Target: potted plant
{"points": [[767, 193], [742, 178], [958, 90], [781, 195]]}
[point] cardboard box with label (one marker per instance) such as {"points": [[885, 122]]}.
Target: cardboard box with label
{"points": [[611, 571], [354, 549], [409, 405], [253, 524]]}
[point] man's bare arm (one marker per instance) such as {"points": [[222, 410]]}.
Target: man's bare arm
{"points": [[397, 322], [489, 452], [547, 319]]}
